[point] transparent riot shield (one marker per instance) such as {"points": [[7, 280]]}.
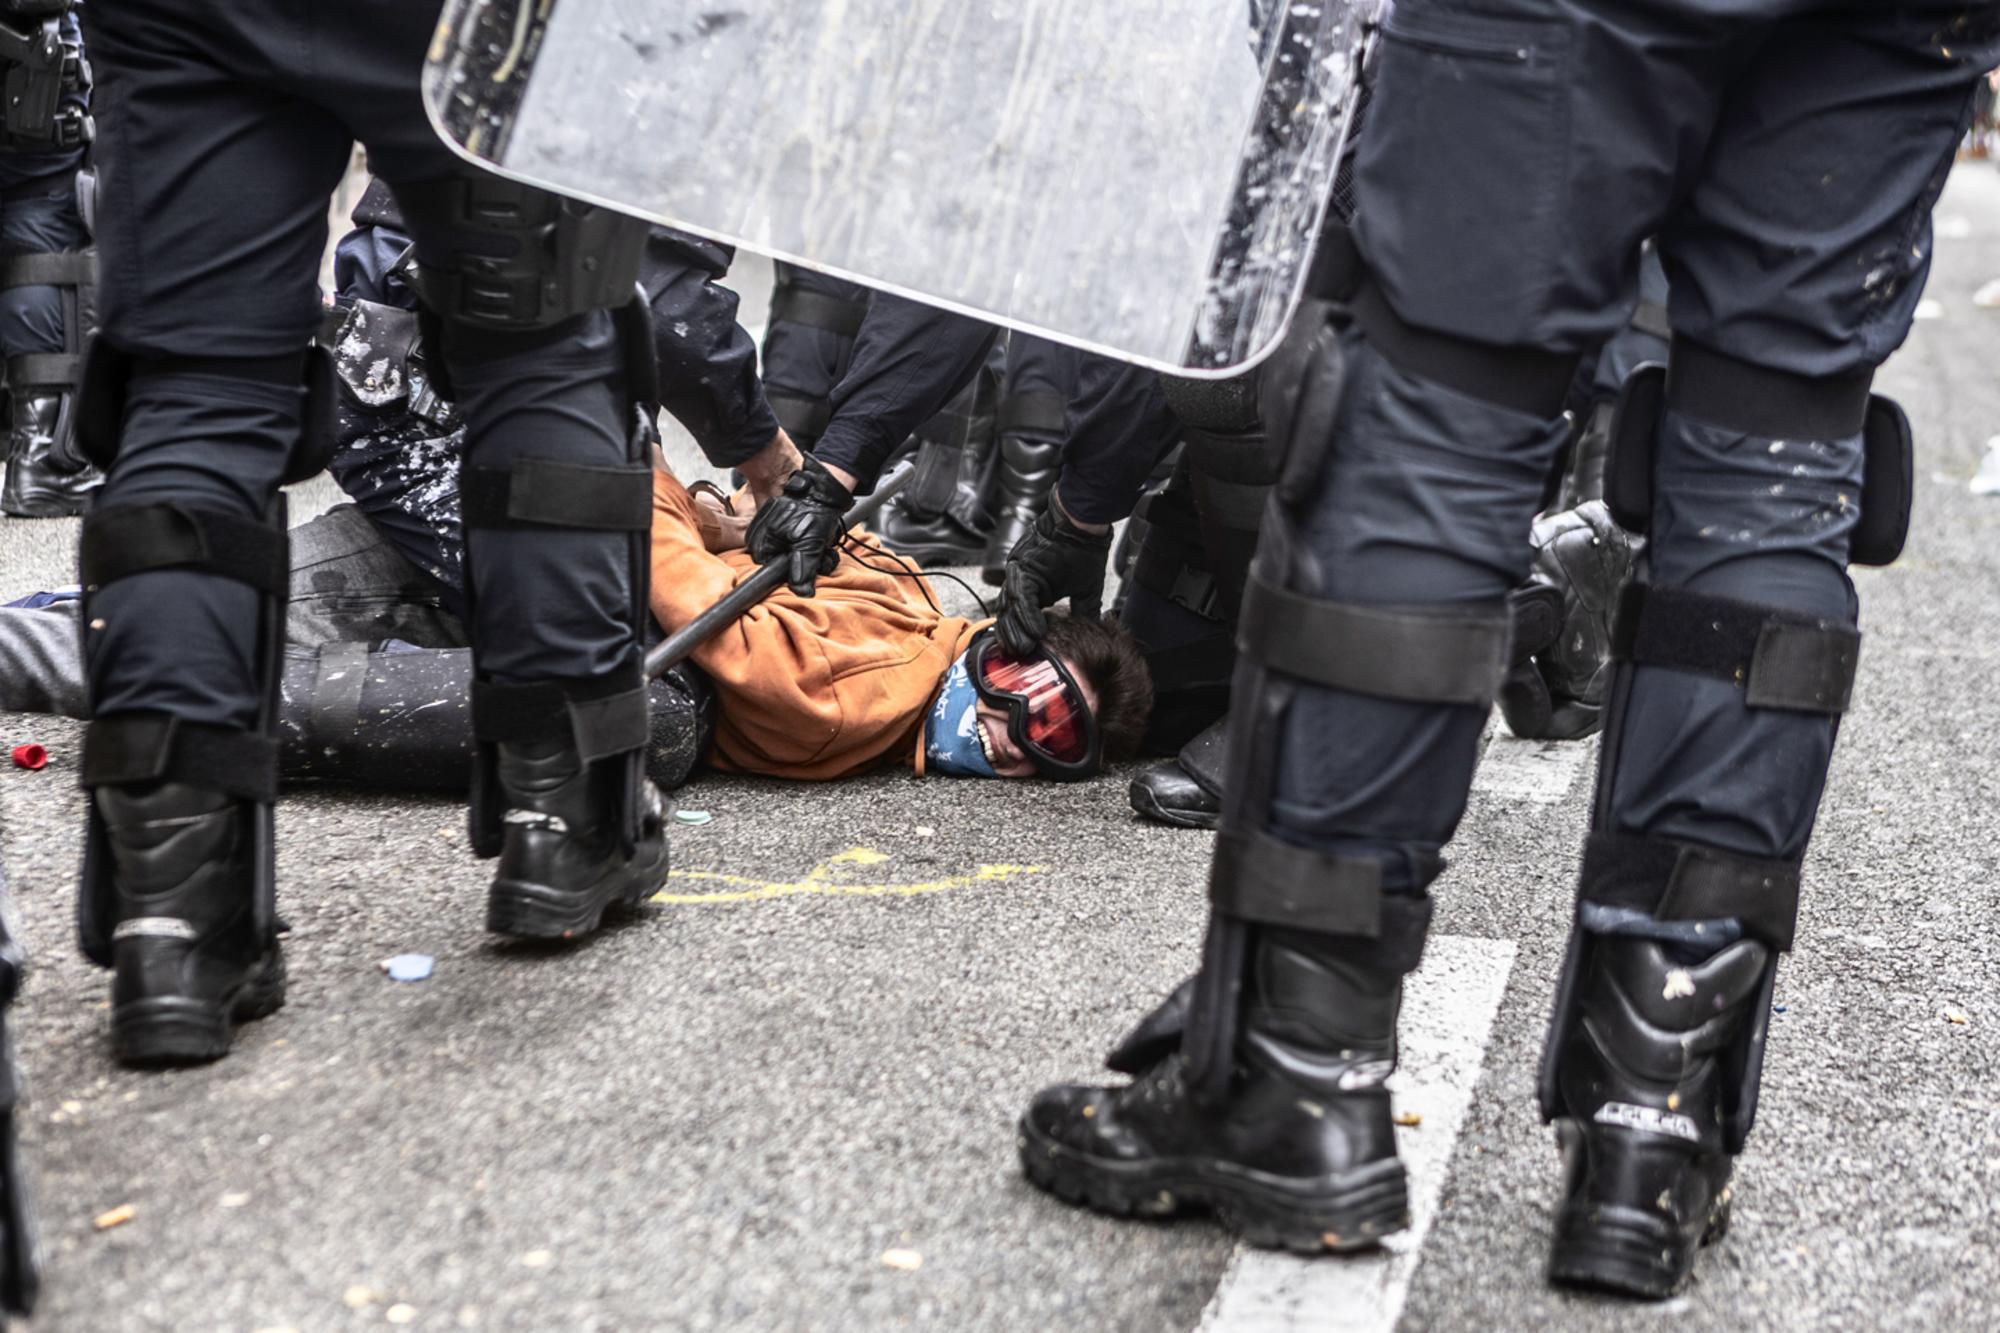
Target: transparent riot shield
{"points": [[1143, 178]]}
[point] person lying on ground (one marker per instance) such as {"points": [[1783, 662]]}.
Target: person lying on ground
{"points": [[868, 673]]}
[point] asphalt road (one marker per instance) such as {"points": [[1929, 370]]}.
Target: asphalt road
{"points": [[726, 1114]]}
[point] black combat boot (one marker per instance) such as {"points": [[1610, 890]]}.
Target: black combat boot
{"points": [[1027, 473], [1299, 1154], [1186, 791], [38, 483], [563, 860], [189, 959], [930, 540], [1645, 1169]]}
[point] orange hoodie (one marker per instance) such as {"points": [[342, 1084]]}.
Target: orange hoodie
{"points": [[817, 688]]}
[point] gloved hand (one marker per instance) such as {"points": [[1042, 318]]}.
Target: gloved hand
{"points": [[1563, 615], [802, 524], [1056, 559]]}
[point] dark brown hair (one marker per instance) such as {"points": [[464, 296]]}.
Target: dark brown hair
{"points": [[1107, 655]]}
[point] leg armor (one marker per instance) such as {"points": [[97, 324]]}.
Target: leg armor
{"points": [[179, 886], [808, 343], [20, 1238], [1034, 407], [944, 515], [1656, 1044], [48, 310], [1172, 602], [556, 501]]}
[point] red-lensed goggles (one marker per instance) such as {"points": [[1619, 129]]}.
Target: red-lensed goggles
{"points": [[1047, 717]]}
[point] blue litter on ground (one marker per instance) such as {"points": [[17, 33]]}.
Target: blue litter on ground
{"points": [[692, 816], [1779, 1008], [411, 967]]}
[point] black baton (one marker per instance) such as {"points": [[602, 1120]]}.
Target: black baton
{"points": [[671, 651]]}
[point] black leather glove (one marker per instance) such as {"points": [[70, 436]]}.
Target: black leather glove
{"points": [[1056, 559], [1561, 676], [803, 524]]}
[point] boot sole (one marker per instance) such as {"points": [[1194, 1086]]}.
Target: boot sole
{"points": [[162, 1031], [1353, 1210], [1627, 1252], [523, 910], [1148, 807]]}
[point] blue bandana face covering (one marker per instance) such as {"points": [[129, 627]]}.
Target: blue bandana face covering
{"points": [[952, 743]]}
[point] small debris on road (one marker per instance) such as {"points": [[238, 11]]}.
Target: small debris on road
{"points": [[115, 1217], [358, 1297], [234, 1199], [31, 756], [409, 966], [1409, 1119], [1958, 1016], [400, 1314], [537, 1259], [692, 816], [904, 1261]]}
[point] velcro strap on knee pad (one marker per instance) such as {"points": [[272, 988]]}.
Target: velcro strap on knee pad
{"points": [[158, 747], [124, 540], [1782, 659], [1685, 881], [791, 304], [601, 716], [1260, 878], [61, 268], [1523, 379], [1438, 655], [542, 492]]}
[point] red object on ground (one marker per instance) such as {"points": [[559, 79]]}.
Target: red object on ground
{"points": [[30, 756]]}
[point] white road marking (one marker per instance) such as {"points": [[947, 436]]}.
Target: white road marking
{"points": [[1540, 772], [1448, 1014]]}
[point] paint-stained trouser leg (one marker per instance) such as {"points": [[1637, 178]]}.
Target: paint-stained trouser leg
{"points": [[1795, 270]]}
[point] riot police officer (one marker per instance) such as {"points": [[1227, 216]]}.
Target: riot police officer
{"points": [[231, 127], [47, 269], [1786, 154]]}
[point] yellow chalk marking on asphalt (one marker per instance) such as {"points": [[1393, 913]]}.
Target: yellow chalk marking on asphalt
{"points": [[820, 879]]}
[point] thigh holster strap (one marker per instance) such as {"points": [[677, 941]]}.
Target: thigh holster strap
{"points": [[601, 716], [61, 268], [1524, 379], [1256, 877], [1685, 881], [541, 492], [1041, 412], [1416, 654], [154, 747], [1781, 659], [136, 539], [817, 310]]}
